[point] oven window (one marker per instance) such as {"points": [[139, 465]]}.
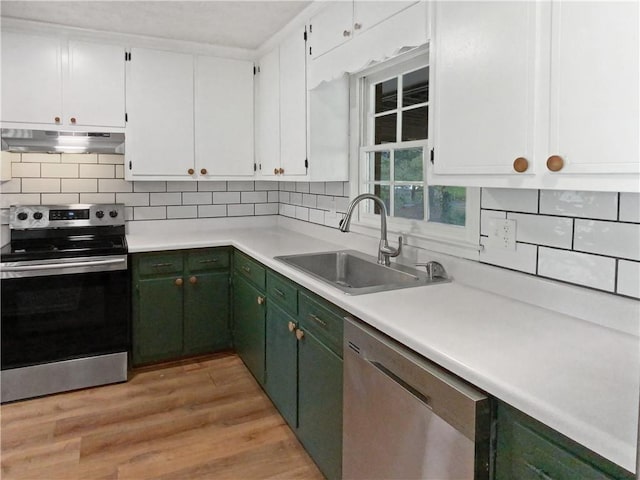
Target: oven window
{"points": [[61, 317]]}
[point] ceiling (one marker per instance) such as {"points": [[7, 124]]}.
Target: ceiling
{"points": [[239, 23]]}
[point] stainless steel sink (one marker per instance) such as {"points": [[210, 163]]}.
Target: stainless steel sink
{"points": [[356, 273]]}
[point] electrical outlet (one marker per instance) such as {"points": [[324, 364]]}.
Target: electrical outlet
{"points": [[502, 233]]}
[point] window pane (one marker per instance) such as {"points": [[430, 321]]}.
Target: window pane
{"points": [[385, 128], [379, 163], [381, 191], [415, 87], [447, 205], [387, 95], [408, 201], [408, 165], [414, 124]]}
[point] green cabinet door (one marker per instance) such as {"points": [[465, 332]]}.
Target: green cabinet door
{"points": [[206, 312], [249, 326], [157, 329], [320, 404], [281, 362]]}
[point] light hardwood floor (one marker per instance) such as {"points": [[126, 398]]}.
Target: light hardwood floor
{"points": [[206, 418]]}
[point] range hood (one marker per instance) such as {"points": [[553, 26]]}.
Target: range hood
{"points": [[45, 141]]}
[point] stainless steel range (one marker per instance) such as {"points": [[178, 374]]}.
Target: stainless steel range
{"points": [[65, 299]]}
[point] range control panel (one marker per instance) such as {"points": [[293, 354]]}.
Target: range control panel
{"points": [[24, 217]]}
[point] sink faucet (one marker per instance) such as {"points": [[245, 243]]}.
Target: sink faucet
{"points": [[384, 251]]}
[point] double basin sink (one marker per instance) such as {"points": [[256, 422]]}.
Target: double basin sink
{"points": [[355, 273]]}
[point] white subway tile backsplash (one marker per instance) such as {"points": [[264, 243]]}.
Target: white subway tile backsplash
{"points": [[326, 203], [196, 198], [40, 185], [111, 159], [10, 157], [630, 207], [302, 187], [287, 186], [149, 186], [97, 198], [253, 197], [79, 158], [60, 170], [600, 205], [629, 278], [22, 170], [273, 196], [128, 213], [212, 186], [543, 230], [578, 268], [183, 186], [302, 213], [149, 213], [226, 197], [206, 211], [523, 258], [11, 186], [295, 198], [240, 210], [485, 218], [614, 239], [342, 204], [119, 171], [182, 211], [266, 209], [97, 171], [287, 210], [114, 185], [316, 216], [284, 197], [510, 199], [133, 199], [59, 198], [41, 157], [316, 188], [240, 186], [335, 188], [265, 185], [20, 199], [309, 200], [172, 198]]}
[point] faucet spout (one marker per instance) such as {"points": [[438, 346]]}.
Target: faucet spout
{"points": [[384, 250]]}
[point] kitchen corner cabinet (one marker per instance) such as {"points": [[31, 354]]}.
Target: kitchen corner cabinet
{"points": [[529, 450], [188, 117], [180, 304], [281, 110], [539, 112], [53, 82], [249, 311]]}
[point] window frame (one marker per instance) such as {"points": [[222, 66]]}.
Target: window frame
{"points": [[452, 239]]}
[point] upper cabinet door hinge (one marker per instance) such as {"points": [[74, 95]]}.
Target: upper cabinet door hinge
{"points": [[126, 117], [306, 163], [432, 156], [305, 35], [127, 56], [255, 70]]}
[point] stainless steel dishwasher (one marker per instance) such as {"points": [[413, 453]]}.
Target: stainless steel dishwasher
{"points": [[406, 418]]}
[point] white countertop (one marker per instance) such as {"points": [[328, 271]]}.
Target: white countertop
{"points": [[580, 378]]}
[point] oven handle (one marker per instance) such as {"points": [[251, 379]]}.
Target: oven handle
{"points": [[60, 266]]}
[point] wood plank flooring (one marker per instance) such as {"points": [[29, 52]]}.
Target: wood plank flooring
{"points": [[206, 418]]}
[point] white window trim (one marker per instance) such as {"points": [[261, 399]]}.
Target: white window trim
{"points": [[450, 239]]}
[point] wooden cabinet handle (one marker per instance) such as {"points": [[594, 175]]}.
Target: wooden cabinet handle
{"points": [[275, 171], [203, 171], [299, 334], [193, 280], [191, 171], [56, 119], [260, 300], [555, 163], [179, 282], [520, 164], [73, 120], [281, 171], [292, 326]]}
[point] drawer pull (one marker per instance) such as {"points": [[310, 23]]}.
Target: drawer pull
{"points": [[279, 292], [246, 269], [162, 265], [292, 326], [210, 260], [317, 319]]}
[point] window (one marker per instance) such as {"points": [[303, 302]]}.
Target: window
{"points": [[392, 117]]}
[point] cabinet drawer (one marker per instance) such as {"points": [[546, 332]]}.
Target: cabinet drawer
{"points": [[283, 292], [208, 259], [250, 269], [325, 323], [160, 263]]}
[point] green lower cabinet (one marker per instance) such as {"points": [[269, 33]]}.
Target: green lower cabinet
{"points": [[528, 450], [249, 326], [320, 404], [282, 362], [181, 304]]}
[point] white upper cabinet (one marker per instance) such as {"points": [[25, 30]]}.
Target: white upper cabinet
{"points": [[52, 82], [268, 114], [223, 117], [536, 95], [160, 131]]}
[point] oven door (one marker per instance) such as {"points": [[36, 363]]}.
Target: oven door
{"points": [[55, 314]]}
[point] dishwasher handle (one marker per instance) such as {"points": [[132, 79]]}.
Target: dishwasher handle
{"points": [[425, 399]]}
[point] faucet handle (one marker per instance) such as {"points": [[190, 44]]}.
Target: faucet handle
{"points": [[434, 270], [390, 251]]}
